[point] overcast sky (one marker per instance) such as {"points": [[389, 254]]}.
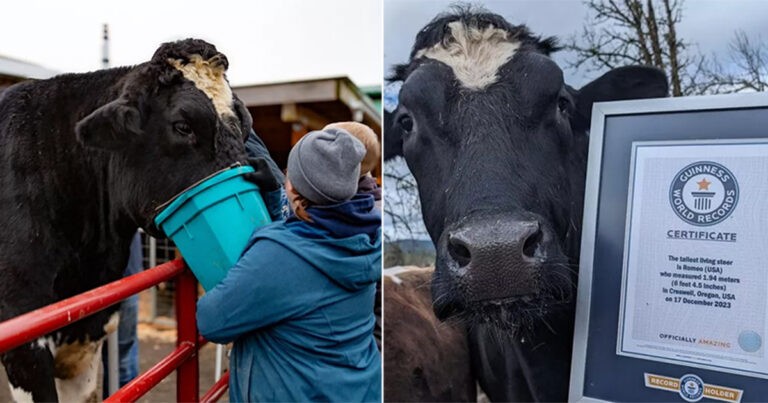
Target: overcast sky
{"points": [[282, 40], [710, 23], [265, 41]]}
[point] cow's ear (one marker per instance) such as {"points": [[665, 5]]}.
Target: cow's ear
{"points": [[110, 127], [631, 82], [393, 140]]}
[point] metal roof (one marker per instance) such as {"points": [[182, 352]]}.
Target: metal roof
{"points": [[18, 68]]}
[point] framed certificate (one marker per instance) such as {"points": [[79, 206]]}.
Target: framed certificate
{"points": [[673, 283]]}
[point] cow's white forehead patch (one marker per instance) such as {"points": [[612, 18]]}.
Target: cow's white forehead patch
{"points": [[474, 54], [209, 77]]}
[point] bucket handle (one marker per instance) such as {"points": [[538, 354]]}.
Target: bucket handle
{"points": [[164, 205]]}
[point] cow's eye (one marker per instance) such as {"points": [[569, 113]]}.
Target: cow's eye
{"points": [[406, 123], [182, 128], [563, 104]]}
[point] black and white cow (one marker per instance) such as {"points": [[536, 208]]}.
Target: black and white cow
{"points": [[497, 143], [85, 159]]}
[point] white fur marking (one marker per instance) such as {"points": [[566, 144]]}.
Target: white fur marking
{"points": [[210, 79], [475, 54], [46, 343], [394, 271], [20, 395], [394, 278], [82, 386], [112, 323]]}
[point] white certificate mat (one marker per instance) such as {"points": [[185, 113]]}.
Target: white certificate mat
{"points": [[695, 270]]}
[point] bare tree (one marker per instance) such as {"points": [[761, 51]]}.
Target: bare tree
{"points": [[622, 32], [746, 68], [402, 210]]}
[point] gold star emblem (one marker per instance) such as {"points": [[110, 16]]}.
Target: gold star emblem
{"points": [[703, 184]]}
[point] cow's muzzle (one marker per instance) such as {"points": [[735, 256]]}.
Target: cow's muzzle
{"points": [[495, 258]]}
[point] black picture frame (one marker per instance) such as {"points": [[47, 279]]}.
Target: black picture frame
{"points": [[598, 373]]}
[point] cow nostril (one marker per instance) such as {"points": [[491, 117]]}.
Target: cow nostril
{"points": [[459, 252], [532, 243]]}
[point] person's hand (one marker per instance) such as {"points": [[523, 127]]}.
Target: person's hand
{"points": [[262, 177]]}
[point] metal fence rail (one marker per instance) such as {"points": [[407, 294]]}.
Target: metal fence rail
{"points": [[32, 325]]}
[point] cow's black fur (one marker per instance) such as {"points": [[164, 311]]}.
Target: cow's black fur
{"points": [[85, 159], [513, 151]]}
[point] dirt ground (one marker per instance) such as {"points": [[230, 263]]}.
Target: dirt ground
{"points": [[153, 345]]}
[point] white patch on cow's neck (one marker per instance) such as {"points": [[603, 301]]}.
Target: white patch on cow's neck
{"points": [[209, 78], [20, 395], [474, 54], [83, 385], [46, 342]]}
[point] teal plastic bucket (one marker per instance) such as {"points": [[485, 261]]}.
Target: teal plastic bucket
{"points": [[212, 221]]}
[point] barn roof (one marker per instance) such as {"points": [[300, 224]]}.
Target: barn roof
{"points": [[15, 68], [339, 92]]}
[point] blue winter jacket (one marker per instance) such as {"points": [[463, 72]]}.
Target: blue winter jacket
{"points": [[299, 307]]}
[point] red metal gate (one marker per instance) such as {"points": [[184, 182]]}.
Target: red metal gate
{"points": [[28, 327]]}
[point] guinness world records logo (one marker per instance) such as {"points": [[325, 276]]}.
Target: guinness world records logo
{"points": [[704, 193], [691, 388]]}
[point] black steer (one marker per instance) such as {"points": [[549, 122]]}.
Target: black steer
{"points": [[85, 159], [497, 143]]}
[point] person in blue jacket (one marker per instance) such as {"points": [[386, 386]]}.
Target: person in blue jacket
{"points": [[299, 302]]}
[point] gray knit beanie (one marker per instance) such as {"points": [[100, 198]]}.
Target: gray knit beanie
{"points": [[324, 166]]}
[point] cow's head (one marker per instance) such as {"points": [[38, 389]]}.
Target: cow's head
{"points": [[173, 122], [497, 143]]}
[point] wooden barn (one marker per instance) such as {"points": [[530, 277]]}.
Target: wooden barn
{"points": [[284, 112]]}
